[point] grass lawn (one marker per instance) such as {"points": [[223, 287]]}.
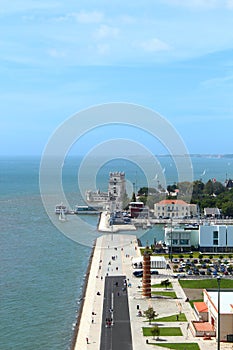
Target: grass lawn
{"points": [[208, 283], [159, 285], [165, 294], [164, 331], [179, 346], [187, 255], [172, 318]]}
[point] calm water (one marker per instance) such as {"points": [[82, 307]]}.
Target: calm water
{"points": [[42, 271]]}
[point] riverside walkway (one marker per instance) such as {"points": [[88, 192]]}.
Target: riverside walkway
{"points": [[112, 257]]}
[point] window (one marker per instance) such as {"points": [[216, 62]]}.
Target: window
{"points": [[175, 241], [184, 241], [215, 238]]}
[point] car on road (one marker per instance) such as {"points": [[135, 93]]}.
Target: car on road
{"points": [[139, 273]]}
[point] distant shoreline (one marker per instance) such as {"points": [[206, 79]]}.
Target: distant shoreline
{"points": [[191, 155]]}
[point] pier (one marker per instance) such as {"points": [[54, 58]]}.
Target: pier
{"points": [[104, 224]]}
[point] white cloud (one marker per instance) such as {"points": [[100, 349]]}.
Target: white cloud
{"points": [[103, 49], [218, 81], [230, 4], [89, 17], [82, 17], [153, 45], [105, 31], [201, 4], [56, 53]]}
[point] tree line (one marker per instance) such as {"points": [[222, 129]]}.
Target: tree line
{"points": [[212, 194]]}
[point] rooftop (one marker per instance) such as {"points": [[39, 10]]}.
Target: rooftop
{"points": [[203, 326], [226, 300], [201, 306]]}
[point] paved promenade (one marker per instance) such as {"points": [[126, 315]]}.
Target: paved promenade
{"points": [[123, 248]]}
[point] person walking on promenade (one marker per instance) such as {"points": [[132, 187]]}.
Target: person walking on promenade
{"points": [[87, 340]]}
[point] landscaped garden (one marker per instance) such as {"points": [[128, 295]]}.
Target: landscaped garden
{"points": [[163, 331], [168, 294], [206, 283], [173, 318], [178, 346]]}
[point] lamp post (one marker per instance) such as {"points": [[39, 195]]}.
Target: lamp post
{"points": [[171, 242], [218, 280]]}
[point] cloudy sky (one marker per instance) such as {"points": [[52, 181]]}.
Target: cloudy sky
{"points": [[60, 57]]}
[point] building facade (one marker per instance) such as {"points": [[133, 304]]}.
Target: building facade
{"points": [[180, 240], [207, 315], [170, 208], [216, 238]]}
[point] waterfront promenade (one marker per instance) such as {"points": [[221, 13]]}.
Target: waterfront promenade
{"points": [[123, 248]]}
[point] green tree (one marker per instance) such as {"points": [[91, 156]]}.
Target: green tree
{"points": [[133, 197], [165, 283], [198, 187], [155, 331], [209, 187], [218, 188], [150, 314], [227, 209]]}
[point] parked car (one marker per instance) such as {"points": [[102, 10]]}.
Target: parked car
{"points": [[138, 273]]}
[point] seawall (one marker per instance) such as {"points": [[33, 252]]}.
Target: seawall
{"points": [[79, 315]]}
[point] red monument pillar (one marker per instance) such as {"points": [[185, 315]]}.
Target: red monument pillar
{"points": [[146, 279]]}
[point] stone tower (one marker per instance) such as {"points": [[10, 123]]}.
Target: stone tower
{"points": [[116, 187], [146, 279]]}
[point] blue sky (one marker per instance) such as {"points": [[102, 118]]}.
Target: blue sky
{"points": [[173, 56]]}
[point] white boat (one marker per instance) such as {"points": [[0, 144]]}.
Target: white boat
{"points": [[60, 208], [85, 209], [62, 216]]}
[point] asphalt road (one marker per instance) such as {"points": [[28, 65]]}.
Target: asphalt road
{"points": [[116, 331]]}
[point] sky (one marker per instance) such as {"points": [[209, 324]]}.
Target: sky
{"points": [[60, 57]]}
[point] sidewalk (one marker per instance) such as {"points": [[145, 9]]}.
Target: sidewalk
{"points": [[124, 248], [107, 246]]}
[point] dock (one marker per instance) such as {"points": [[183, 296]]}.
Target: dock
{"points": [[104, 226]]}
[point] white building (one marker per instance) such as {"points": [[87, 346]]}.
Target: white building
{"points": [[157, 262], [216, 238], [207, 314], [169, 208], [180, 239]]}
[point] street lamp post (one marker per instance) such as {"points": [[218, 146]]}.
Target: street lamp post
{"points": [[219, 280], [171, 242]]}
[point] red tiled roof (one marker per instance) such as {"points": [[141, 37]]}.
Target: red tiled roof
{"points": [[200, 306], [203, 326], [172, 201]]}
